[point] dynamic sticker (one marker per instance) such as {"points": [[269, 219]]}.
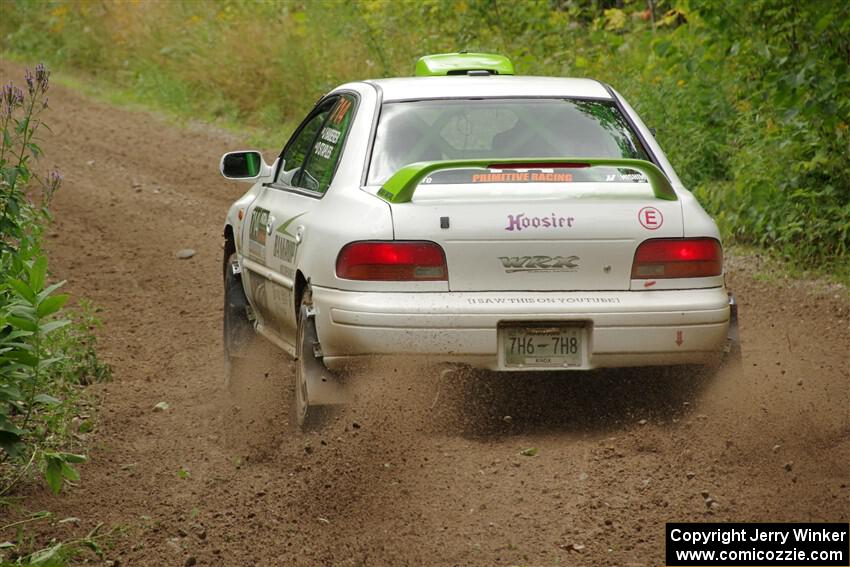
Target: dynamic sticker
{"points": [[284, 249], [522, 221], [286, 245], [650, 218], [284, 226]]}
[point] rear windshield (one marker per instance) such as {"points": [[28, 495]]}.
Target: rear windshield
{"points": [[436, 130]]}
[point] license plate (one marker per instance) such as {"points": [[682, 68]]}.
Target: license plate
{"points": [[542, 347]]}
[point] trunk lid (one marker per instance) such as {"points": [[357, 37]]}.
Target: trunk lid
{"points": [[537, 236]]}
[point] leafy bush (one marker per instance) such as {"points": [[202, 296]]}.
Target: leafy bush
{"points": [[56, 554], [41, 357]]}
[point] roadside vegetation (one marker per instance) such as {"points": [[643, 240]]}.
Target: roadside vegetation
{"points": [[749, 98], [47, 353]]}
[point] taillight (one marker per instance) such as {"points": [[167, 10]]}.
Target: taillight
{"points": [[678, 258], [392, 261]]}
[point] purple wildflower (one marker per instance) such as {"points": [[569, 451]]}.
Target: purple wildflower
{"points": [[54, 179], [30, 81], [42, 76]]}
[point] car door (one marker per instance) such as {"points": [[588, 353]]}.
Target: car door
{"points": [[285, 207]]}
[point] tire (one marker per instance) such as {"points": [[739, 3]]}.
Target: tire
{"points": [[238, 330], [309, 417]]}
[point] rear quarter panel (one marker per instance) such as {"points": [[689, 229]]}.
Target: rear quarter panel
{"points": [[346, 213]]}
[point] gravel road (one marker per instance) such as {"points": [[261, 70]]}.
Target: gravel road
{"points": [[422, 469]]}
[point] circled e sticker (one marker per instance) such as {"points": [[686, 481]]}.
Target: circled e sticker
{"points": [[650, 218]]}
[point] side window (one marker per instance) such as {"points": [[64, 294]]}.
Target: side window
{"points": [[325, 153], [297, 150]]}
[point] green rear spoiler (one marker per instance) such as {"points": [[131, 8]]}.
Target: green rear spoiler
{"points": [[462, 64], [400, 187]]}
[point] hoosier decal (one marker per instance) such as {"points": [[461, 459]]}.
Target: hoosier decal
{"points": [[522, 221]]}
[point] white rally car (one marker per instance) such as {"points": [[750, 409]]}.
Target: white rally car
{"points": [[471, 216]]}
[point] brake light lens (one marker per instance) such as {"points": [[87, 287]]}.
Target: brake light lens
{"points": [[392, 261], [541, 165], [678, 258]]}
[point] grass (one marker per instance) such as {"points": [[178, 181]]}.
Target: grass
{"points": [[170, 106], [769, 268]]}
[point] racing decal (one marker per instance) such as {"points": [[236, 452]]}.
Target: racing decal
{"points": [[633, 177], [650, 218], [284, 249], [280, 308], [257, 288], [323, 149], [257, 233], [556, 300], [273, 301], [514, 264], [522, 221], [286, 246], [522, 177], [330, 135], [284, 226], [493, 174]]}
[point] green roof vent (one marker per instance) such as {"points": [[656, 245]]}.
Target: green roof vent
{"points": [[463, 64]]}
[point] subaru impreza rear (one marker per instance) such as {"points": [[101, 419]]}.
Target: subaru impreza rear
{"points": [[536, 225]]}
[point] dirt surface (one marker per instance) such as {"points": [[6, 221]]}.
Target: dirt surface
{"points": [[423, 469]]}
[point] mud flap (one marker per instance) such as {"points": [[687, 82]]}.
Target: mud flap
{"points": [[732, 336], [323, 387], [732, 349], [238, 330]]}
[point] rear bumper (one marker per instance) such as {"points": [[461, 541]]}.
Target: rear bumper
{"points": [[629, 328]]}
